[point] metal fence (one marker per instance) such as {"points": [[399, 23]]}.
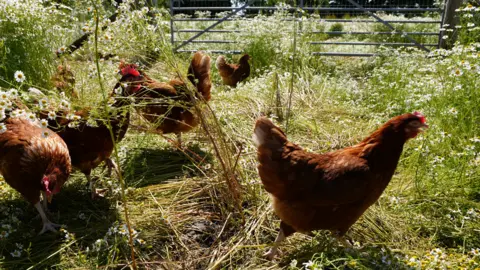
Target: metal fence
{"points": [[391, 23]]}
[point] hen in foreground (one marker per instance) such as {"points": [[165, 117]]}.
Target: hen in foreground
{"points": [[232, 74], [328, 191], [33, 161], [169, 105]]}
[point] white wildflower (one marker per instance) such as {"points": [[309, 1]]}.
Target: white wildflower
{"points": [[64, 104], [42, 103], [43, 123], [3, 128], [19, 76], [13, 92], [17, 253], [457, 72], [52, 115], [45, 133]]}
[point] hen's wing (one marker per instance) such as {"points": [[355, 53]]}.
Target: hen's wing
{"points": [[242, 72], [290, 173]]}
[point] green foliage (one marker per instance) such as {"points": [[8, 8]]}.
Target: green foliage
{"points": [[469, 30], [399, 37], [31, 33], [336, 27]]}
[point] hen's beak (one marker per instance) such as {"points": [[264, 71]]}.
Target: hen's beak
{"points": [[423, 127]]}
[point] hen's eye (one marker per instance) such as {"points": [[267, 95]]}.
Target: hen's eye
{"points": [[415, 124]]}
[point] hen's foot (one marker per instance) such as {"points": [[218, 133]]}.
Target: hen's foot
{"points": [[49, 226]]}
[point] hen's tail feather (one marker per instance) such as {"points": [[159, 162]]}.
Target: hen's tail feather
{"points": [[199, 74], [270, 141], [220, 62], [267, 134]]}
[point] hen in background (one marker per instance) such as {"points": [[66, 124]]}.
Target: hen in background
{"points": [[64, 81], [169, 105], [33, 160], [232, 74], [88, 137], [329, 191]]}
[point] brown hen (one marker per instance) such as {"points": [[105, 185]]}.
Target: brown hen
{"points": [[89, 141], [232, 74], [33, 161], [169, 105], [328, 191], [64, 80]]}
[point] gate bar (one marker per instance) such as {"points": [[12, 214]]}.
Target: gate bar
{"points": [[320, 20], [369, 43], [319, 32], [212, 26], [315, 8], [388, 25]]}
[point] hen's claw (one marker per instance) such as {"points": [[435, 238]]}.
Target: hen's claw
{"points": [[49, 226], [270, 254], [99, 193]]}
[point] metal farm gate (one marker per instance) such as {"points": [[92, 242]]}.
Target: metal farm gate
{"points": [[389, 23]]}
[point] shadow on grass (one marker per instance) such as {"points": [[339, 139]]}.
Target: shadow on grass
{"points": [[88, 220], [147, 166], [327, 253]]}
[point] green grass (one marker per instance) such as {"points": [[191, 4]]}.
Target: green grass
{"points": [[189, 214]]}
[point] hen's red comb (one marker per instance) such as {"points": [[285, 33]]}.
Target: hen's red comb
{"points": [[129, 70], [421, 116]]}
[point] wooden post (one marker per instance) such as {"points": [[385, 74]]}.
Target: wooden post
{"points": [[451, 19]]}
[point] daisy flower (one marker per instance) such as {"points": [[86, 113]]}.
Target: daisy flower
{"points": [[43, 123], [45, 133], [4, 95], [17, 253], [3, 104], [42, 103], [3, 234], [19, 76], [52, 115], [61, 50], [13, 92], [457, 72], [31, 117], [3, 127], [64, 104], [118, 90]]}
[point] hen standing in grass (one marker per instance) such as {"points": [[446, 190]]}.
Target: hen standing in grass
{"points": [[64, 81], [33, 160], [232, 74], [329, 191], [169, 105], [90, 141]]}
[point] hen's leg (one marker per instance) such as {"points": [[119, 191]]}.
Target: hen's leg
{"points": [[44, 201], [285, 231], [179, 139], [91, 186], [47, 225], [112, 164]]}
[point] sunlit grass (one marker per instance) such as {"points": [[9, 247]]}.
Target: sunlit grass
{"points": [[181, 208]]}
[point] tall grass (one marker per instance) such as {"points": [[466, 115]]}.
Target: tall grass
{"points": [[204, 206]]}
